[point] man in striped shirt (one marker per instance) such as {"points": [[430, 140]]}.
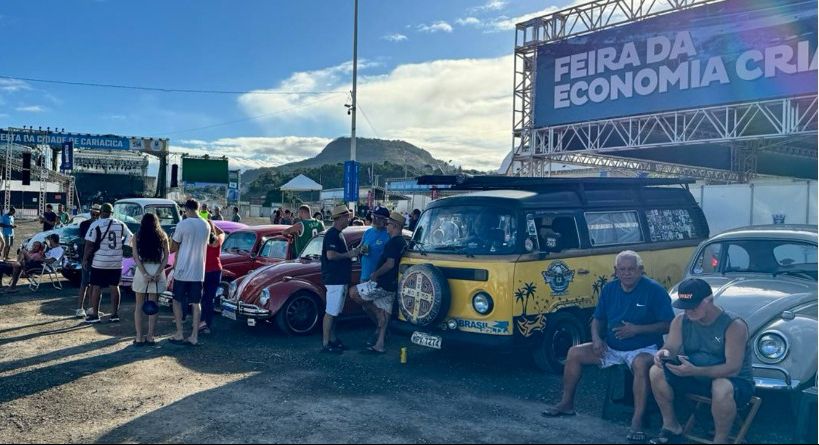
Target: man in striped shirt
{"points": [[104, 242]]}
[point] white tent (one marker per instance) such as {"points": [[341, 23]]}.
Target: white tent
{"points": [[301, 183]]}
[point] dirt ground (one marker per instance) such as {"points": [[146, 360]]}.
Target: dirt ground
{"points": [[62, 381]]}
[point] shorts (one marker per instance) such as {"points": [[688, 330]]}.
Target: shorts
{"points": [[105, 277], [382, 299], [743, 389], [143, 285], [613, 357], [336, 294], [85, 279], [187, 292]]}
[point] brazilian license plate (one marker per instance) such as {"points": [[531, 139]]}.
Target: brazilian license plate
{"points": [[228, 312], [429, 341]]}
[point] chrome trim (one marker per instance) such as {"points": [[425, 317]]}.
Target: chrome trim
{"points": [[769, 384], [785, 373], [247, 310], [764, 359]]}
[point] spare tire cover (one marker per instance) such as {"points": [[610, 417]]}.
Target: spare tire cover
{"points": [[423, 295]]}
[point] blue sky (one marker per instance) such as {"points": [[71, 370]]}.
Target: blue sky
{"points": [[435, 73]]}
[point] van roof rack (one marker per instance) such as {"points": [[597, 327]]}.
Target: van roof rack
{"points": [[469, 182]]}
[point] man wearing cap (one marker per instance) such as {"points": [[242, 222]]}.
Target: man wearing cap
{"points": [[372, 246], [336, 275], [377, 295], [104, 242], [631, 316], [85, 279], [305, 229], [713, 359], [7, 222]]}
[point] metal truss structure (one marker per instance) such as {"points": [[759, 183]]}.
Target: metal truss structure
{"points": [[13, 162], [746, 127]]}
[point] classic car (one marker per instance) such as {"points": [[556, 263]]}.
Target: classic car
{"points": [[290, 294], [129, 266], [768, 276], [243, 251]]}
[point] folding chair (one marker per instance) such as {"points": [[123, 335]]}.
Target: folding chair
{"points": [[51, 267], [745, 417]]}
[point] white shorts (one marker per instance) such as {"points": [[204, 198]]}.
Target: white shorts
{"points": [[613, 357], [336, 294], [382, 299]]}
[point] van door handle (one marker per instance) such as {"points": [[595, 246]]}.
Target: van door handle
{"points": [[582, 271]]}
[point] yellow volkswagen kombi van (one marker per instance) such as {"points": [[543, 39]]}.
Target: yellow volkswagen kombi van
{"points": [[520, 262]]}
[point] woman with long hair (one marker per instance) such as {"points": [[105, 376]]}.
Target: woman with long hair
{"points": [[213, 276], [150, 247]]}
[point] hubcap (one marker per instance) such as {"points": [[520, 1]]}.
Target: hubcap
{"points": [[301, 315]]}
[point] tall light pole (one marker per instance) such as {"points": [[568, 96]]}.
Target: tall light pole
{"points": [[355, 84]]}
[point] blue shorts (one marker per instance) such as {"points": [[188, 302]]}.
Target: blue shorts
{"points": [[187, 292], [743, 389]]}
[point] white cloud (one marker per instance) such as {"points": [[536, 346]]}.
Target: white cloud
{"points": [[491, 5], [439, 26], [456, 109], [504, 23], [12, 85], [31, 109], [469, 21], [254, 152], [396, 37]]}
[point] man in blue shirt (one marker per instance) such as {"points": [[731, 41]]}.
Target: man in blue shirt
{"points": [[7, 222], [372, 247], [631, 317]]}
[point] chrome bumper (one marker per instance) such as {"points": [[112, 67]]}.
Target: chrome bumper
{"points": [[786, 383], [245, 310], [166, 299]]}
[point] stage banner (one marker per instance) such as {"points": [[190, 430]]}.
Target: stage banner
{"points": [[720, 53], [67, 156]]}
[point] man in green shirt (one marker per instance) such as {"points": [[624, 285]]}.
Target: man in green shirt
{"points": [[63, 215], [305, 229]]}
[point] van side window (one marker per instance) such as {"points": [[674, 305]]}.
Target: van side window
{"points": [[671, 225], [557, 233], [606, 228]]}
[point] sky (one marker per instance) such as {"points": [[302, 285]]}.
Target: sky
{"points": [[437, 74]]}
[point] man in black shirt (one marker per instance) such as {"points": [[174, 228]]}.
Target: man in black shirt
{"points": [[378, 295], [86, 269], [336, 275], [49, 218]]}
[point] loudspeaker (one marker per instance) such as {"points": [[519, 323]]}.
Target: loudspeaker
{"points": [[174, 175], [26, 177], [26, 161]]}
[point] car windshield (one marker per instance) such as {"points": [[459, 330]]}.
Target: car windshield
{"points": [[238, 242], [128, 212], [274, 248], [167, 214], [758, 256], [313, 249], [470, 230]]}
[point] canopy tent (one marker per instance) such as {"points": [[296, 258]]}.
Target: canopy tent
{"points": [[300, 183]]}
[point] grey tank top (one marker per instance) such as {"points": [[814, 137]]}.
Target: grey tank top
{"points": [[705, 345]]}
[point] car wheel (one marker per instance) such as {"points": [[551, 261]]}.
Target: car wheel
{"points": [[299, 315], [563, 330]]}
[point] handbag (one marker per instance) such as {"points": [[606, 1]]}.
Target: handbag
{"points": [[149, 307]]}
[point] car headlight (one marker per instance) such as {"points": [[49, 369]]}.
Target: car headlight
{"points": [[771, 347], [482, 303], [232, 290], [265, 297]]}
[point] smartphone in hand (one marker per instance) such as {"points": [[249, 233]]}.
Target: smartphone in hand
{"points": [[675, 360]]}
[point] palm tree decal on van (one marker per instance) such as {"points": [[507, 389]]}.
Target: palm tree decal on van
{"points": [[598, 284], [528, 325]]}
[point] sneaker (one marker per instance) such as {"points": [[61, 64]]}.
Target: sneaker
{"points": [[80, 313], [114, 318], [92, 319]]}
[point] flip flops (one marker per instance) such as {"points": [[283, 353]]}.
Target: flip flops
{"points": [[372, 351], [174, 341], [667, 436], [554, 412]]}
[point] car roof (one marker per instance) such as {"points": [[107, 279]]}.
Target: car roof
{"points": [[146, 201], [265, 229], [802, 232]]}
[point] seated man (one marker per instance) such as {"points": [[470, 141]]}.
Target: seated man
{"points": [[33, 260], [483, 236], [631, 317], [713, 356]]}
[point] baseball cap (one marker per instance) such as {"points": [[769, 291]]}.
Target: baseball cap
{"points": [[95, 208], [107, 208], [397, 218], [691, 292], [381, 212]]}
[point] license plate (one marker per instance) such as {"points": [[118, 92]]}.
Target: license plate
{"points": [[228, 313], [165, 302], [422, 339]]}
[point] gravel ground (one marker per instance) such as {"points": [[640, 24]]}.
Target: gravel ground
{"points": [[61, 381]]}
